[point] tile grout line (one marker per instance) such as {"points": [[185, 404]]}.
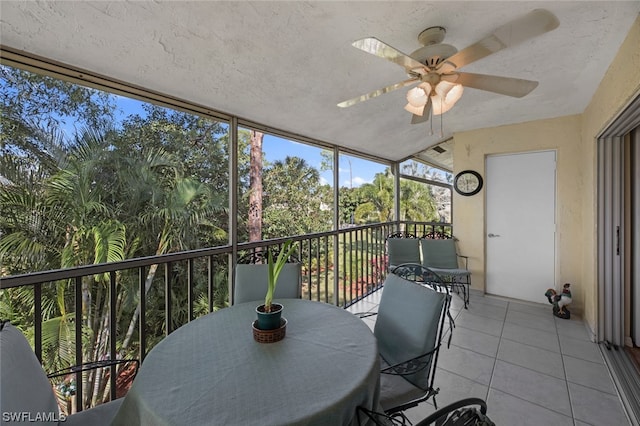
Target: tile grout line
{"points": [[564, 370], [495, 360]]}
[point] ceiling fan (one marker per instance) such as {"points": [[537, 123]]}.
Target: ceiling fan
{"points": [[435, 65]]}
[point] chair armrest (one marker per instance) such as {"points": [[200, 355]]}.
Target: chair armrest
{"points": [[92, 366], [443, 413], [364, 314], [380, 419], [466, 260], [410, 366]]}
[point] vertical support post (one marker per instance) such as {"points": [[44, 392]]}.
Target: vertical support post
{"points": [[395, 170], [336, 226], [233, 205]]}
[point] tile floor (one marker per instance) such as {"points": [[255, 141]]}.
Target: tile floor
{"points": [[530, 367]]}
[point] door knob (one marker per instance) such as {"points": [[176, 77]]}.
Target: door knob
{"points": [[493, 235]]}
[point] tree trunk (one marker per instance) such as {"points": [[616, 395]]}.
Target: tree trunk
{"points": [[255, 187]]}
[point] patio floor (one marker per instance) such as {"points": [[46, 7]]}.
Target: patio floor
{"points": [[530, 367]]}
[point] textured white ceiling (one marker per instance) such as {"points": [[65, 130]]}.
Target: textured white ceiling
{"points": [[287, 64]]}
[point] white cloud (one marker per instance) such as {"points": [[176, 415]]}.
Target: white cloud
{"points": [[357, 181]]}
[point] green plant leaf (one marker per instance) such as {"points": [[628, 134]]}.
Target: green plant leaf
{"points": [[274, 269]]}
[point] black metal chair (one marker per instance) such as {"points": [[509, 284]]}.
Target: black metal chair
{"points": [[409, 328], [441, 256], [425, 276], [26, 387], [459, 413], [402, 247]]}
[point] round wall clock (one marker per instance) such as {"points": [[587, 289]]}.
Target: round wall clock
{"points": [[468, 182]]}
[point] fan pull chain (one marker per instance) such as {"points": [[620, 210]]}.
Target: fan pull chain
{"points": [[431, 121], [441, 131]]}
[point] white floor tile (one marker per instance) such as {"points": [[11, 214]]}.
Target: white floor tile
{"points": [[530, 367]]}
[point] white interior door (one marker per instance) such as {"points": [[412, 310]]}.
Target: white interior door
{"points": [[520, 241]]}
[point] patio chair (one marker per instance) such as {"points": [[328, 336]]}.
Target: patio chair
{"points": [[425, 276], [409, 328], [402, 248], [251, 280], [441, 257], [26, 387], [459, 413]]}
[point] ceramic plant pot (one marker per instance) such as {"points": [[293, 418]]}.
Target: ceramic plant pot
{"points": [[269, 320]]}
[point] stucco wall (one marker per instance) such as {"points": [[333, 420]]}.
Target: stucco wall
{"points": [[573, 137]]}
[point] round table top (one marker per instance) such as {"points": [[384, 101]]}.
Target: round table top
{"points": [[211, 371]]}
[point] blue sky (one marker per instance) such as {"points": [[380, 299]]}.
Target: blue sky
{"points": [[354, 171]]}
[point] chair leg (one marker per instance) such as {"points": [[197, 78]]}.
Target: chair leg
{"points": [[456, 285], [466, 291], [465, 296]]}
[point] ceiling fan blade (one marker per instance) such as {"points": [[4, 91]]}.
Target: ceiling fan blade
{"points": [[376, 47], [515, 87], [533, 24], [417, 119], [378, 92]]}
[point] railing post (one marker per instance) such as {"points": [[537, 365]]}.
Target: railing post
{"points": [[78, 345], [190, 315], [167, 297], [210, 282], [143, 312], [112, 332], [37, 321]]}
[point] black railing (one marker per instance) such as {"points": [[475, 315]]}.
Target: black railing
{"points": [[139, 301]]}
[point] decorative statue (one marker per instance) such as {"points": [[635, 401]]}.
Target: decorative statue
{"points": [[560, 301]]}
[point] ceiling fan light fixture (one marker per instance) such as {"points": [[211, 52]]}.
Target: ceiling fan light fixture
{"points": [[417, 97], [445, 96], [416, 110]]}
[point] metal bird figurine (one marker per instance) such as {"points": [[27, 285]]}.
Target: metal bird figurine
{"points": [[560, 301]]}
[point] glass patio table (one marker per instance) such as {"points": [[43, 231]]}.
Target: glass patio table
{"points": [[211, 371]]}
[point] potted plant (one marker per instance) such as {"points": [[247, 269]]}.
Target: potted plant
{"points": [[269, 313]]}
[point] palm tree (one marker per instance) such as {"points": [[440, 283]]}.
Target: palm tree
{"points": [[378, 206], [416, 201], [98, 204]]}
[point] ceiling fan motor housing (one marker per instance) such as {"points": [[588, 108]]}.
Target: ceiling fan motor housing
{"points": [[433, 52]]}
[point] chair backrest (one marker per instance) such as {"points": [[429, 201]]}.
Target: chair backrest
{"points": [[439, 253], [252, 282], [403, 250], [24, 384], [409, 323]]}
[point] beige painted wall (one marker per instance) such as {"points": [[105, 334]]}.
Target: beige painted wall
{"points": [[559, 134], [619, 86], [573, 137]]}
